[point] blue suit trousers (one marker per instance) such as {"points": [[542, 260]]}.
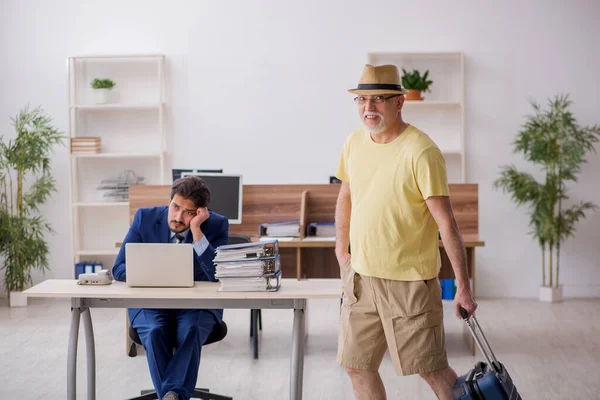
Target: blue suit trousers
{"points": [[173, 342]]}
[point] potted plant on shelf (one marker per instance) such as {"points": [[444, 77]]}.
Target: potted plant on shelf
{"points": [[415, 83], [554, 140], [102, 87], [25, 184]]}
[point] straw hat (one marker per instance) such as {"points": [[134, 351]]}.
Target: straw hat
{"points": [[381, 79]]}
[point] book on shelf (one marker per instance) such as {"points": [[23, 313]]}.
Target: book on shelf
{"points": [[85, 145], [283, 228], [92, 150], [86, 141], [248, 267]]}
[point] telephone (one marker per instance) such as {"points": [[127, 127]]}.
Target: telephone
{"points": [[102, 277]]}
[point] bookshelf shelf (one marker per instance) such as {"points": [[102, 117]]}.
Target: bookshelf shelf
{"points": [[116, 155], [140, 106]]}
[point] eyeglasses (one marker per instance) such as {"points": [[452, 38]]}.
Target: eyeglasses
{"points": [[376, 99]]}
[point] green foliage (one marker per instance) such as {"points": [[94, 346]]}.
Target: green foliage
{"points": [[102, 84], [22, 243], [553, 140], [414, 80]]}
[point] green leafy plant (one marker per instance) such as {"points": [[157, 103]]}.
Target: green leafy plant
{"points": [[103, 84], [554, 140], [25, 159], [414, 80]]}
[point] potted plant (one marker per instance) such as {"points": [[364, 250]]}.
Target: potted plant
{"points": [[415, 83], [102, 88], [25, 184], [554, 140]]}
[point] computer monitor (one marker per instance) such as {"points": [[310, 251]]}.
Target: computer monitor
{"points": [[225, 194]]}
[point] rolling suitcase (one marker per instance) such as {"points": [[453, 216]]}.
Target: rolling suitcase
{"points": [[486, 381]]}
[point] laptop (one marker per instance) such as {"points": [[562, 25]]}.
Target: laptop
{"points": [[159, 264]]}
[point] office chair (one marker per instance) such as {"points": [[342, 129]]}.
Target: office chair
{"points": [[255, 314], [218, 333]]}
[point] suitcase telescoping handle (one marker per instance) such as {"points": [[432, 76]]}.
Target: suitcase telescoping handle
{"points": [[480, 339]]}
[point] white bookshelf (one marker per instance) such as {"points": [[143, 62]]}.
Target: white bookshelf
{"points": [[441, 114], [133, 137]]}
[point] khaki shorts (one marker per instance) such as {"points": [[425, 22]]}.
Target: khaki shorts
{"points": [[405, 317]]}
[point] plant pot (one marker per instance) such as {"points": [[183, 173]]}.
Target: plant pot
{"points": [[101, 96], [414, 95], [17, 299], [551, 294]]}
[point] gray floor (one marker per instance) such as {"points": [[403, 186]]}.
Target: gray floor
{"points": [[552, 352]]}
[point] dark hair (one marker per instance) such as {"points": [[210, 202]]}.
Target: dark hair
{"points": [[193, 188]]}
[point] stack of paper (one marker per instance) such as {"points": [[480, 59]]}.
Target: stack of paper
{"points": [[248, 267], [262, 284], [244, 251], [236, 268]]}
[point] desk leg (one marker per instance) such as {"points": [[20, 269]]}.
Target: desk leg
{"points": [[72, 356], [90, 352], [297, 364]]}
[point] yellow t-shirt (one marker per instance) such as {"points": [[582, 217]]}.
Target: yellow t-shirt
{"points": [[392, 233]]}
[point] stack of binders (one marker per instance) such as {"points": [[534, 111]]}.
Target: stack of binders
{"points": [[281, 229], [248, 267]]}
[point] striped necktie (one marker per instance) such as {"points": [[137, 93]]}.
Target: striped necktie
{"points": [[179, 238]]}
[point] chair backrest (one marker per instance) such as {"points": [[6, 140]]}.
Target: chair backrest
{"points": [[237, 239]]}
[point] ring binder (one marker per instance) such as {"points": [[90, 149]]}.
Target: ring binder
{"points": [[247, 251], [248, 266], [283, 228], [267, 283]]}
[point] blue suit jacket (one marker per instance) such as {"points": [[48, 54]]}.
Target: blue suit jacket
{"points": [[150, 225]]}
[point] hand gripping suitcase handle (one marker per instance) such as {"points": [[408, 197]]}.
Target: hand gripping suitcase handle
{"points": [[480, 339]]}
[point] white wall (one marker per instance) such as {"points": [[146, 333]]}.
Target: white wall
{"points": [[260, 88]]}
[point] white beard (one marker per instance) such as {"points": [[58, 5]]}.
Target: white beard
{"points": [[380, 127]]}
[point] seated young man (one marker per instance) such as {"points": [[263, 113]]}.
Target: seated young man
{"points": [[185, 220]]}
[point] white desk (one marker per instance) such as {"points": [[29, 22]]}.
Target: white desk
{"points": [[292, 294]]}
